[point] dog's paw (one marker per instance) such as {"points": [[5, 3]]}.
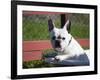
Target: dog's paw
{"points": [[56, 59], [60, 57], [49, 59]]}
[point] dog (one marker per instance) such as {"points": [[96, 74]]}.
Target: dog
{"points": [[65, 44]]}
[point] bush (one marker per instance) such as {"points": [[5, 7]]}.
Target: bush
{"points": [[37, 64]]}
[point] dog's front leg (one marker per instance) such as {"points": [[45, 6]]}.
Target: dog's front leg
{"points": [[62, 57]]}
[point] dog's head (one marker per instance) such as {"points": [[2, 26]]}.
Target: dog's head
{"points": [[59, 37]]}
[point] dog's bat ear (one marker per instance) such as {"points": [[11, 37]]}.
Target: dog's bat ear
{"points": [[67, 25], [50, 24]]}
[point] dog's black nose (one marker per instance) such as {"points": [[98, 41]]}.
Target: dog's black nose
{"points": [[57, 44]]}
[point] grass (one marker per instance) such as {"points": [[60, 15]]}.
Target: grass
{"points": [[34, 31], [39, 31], [38, 64], [80, 31]]}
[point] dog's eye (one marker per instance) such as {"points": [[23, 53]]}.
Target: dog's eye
{"points": [[54, 37], [63, 38]]}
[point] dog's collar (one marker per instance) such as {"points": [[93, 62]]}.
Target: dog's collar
{"points": [[69, 41]]}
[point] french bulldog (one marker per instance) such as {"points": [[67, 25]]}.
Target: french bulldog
{"points": [[65, 44]]}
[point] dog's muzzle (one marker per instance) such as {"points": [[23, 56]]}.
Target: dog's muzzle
{"points": [[57, 44]]}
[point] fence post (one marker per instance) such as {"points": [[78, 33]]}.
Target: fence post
{"points": [[64, 18]]}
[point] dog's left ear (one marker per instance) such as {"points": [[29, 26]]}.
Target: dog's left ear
{"points": [[50, 24], [67, 25]]}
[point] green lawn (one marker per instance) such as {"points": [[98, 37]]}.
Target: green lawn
{"points": [[80, 31], [37, 64], [39, 31]]}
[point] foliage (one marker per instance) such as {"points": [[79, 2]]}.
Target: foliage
{"points": [[37, 64]]}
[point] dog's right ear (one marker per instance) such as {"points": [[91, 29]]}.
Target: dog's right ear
{"points": [[50, 24]]}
